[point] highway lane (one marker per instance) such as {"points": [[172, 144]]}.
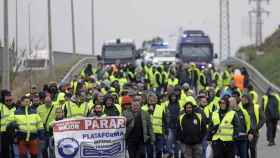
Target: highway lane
{"points": [[265, 151]]}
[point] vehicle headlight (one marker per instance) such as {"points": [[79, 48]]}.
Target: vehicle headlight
{"points": [[210, 65]]}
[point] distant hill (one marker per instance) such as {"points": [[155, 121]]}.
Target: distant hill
{"points": [[269, 63]]}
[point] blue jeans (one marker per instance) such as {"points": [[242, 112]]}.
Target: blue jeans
{"points": [[204, 146], [159, 145], [44, 148], [172, 145], [15, 150], [242, 148], [149, 150]]}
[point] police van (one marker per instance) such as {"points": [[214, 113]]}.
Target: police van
{"points": [[119, 51]]}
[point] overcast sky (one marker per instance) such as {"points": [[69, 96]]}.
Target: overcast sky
{"points": [[135, 19]]}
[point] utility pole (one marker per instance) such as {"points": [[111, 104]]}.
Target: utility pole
{"points": [[16, 27], [6, 56], [29, 30], [258, 13], [73, 27], [225, 45], [92, 28], [51, 58], [29, 42]]}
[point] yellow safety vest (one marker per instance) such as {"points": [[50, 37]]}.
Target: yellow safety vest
{"points": [[203, 77], [47, 114], [186, 99], [157, 119], [76, 111], [154, 81], [257, 112], [173, 83], [145, 108], [247, 119], [225, 130], [5, 117], [265, 101], [28, 120], [254, 96], [226, 78], [165, 74]]}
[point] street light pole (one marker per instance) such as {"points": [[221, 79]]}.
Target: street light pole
{"points": [[73, 27], [6, 58], [51, 58], [92, 28]]}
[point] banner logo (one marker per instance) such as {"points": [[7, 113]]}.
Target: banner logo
{"points": [[68, 147]]}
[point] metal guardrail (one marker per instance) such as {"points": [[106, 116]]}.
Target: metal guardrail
{"points": [[76, 69], [256, 77]]}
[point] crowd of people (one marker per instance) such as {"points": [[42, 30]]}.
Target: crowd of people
{"points": [[177, 110]]}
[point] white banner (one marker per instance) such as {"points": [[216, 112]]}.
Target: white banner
{"points": [[102, 137]]}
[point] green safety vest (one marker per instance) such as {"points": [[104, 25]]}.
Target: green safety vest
{"points": [[225, 130], [157, 117]]}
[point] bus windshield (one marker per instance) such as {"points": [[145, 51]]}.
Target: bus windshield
{"points": [[197, 51], [118, 52]]}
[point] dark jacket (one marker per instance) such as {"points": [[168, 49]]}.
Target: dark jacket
{"points": [[191, 130], [147, 129], [271, 110], [111, 111], [172, 113]]}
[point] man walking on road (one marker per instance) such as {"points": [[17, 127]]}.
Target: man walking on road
{"points": [[191, 131], [271, 105], [139, 131]]}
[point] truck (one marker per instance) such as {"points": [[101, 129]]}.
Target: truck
{"points": [[194, 46], [119, 51]]}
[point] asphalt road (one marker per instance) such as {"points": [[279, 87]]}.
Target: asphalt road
{"points": [[265, 151]]}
